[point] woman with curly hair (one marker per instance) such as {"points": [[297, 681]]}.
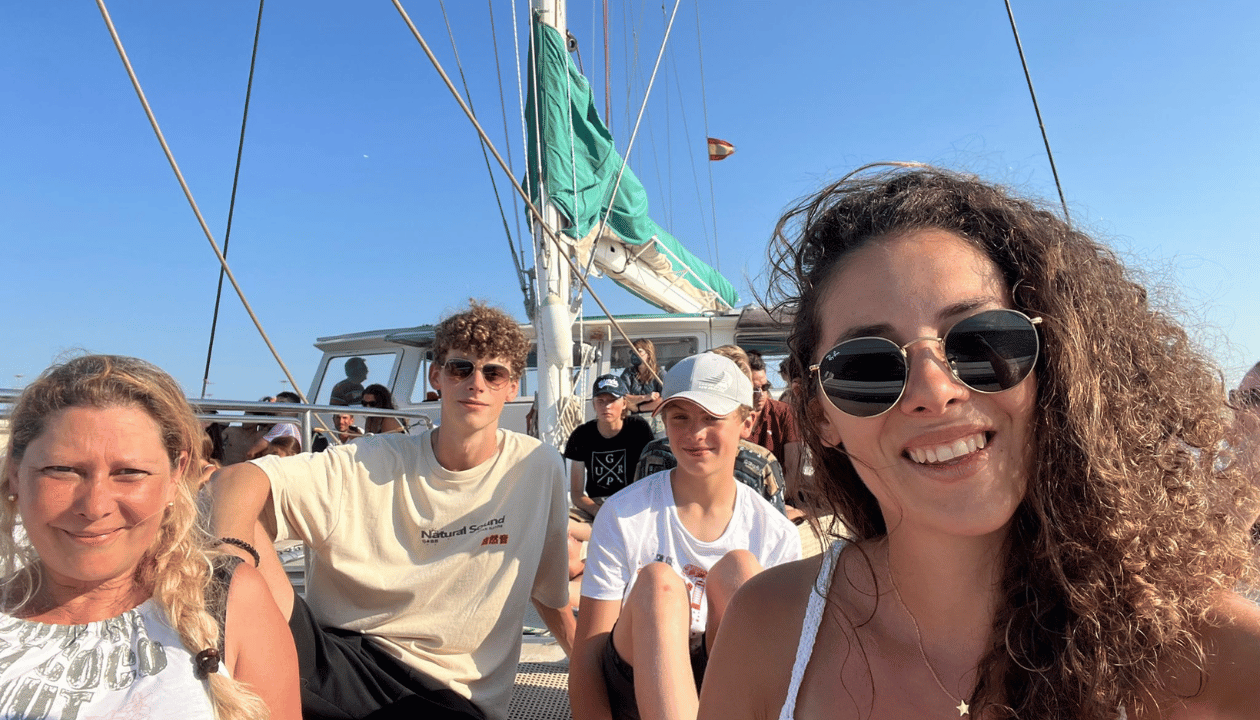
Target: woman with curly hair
{"points": [[1033, 464], [112, 603]]}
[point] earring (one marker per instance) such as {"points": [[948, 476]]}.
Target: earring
{"points": [[12, 497], [170, 504]]}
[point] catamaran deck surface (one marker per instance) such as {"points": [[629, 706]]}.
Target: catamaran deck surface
{"points": [[542, 675]]}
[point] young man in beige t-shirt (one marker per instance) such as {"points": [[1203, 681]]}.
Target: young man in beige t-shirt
{"points": [[426, 550]]}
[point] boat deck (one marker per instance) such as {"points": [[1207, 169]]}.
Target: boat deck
{"points": [[542, 674]]}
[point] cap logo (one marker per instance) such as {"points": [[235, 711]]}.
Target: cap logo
{"points": [[610, 382], [719, 383]]}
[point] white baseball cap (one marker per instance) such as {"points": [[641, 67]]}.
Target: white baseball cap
{"points": [[710, 381]]}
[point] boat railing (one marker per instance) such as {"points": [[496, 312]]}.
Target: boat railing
{"points": [[260, 412]]}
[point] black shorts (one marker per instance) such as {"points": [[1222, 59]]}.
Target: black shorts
{"points": [[347, 676], [619, 678]]}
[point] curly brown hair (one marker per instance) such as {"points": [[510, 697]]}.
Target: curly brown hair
{"points": [[177, 569], [1132, 522], [484, 331]]}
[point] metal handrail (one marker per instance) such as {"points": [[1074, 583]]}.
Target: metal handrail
{"points": [[267, 413]]}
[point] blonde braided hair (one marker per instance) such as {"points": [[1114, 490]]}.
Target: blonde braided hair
{"points": [[177, 569]]}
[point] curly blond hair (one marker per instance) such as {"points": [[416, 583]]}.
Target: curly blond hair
{"points": [[1132, 521], [484, 331], [177, 570]]}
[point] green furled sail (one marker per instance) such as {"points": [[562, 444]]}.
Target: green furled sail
{"points": [[580, 169]]}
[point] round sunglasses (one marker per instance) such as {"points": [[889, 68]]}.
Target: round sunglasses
{"points": [[988, 352]]}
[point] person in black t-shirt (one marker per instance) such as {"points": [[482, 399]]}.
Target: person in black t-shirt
{"points": [[602, 456], [604, 451]]}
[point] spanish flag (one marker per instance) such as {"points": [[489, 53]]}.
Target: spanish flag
{"points": [[719, 149]]}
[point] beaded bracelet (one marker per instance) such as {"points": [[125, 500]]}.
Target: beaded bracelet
{"points": [[237, 542]]}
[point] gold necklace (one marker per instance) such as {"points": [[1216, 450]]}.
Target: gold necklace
{"points": [[963, 708]]}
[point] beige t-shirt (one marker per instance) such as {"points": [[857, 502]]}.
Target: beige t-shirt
{"points": [[437, 565]]}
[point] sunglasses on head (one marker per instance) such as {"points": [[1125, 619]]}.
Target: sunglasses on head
{"points": [[496, 375], [989, 352]]}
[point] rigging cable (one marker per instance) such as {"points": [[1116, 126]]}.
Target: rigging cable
{"points": [[520, 99], [529, 204], [607, 75], [704, 104], [236, 176], [205, 229], [1037, 109], [691, 157], [642, 108], [507, 143], [520, 271]]}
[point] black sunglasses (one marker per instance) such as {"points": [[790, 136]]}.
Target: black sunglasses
{"points": [[989, 352], [496, 375]]}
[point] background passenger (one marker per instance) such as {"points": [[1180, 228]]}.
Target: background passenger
{"points": [[378, 396], [602, 455], [642, 379], [350, 390]]}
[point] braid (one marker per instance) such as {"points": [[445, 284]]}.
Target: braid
{"points": [[181, 575]]}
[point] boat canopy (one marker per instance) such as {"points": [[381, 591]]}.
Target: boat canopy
{"points": [[581, 171]]}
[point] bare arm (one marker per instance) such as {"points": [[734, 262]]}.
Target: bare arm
{"points": [[644, 403], [577, 488], [241, 493], [560, 622], [259, 445], [259, 647], [587, 692], [391, 425]]}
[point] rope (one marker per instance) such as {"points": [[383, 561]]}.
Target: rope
{"points": [[643, 107], [535, 213], [494, 185], [704, 105], [236, 176], [691, 157], [507, 144], [1037, 109], [607, 74], [205, 229]]}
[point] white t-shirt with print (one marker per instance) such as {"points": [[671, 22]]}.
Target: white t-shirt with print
{"points": [[640, 525]]}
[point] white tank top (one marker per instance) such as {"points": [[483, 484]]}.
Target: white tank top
{"points": [[130, 666], [809, 631]]}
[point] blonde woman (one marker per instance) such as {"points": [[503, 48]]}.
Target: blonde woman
{"points": [[107, 601]]}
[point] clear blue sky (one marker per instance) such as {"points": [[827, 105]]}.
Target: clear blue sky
{"points": [[364, 202]]}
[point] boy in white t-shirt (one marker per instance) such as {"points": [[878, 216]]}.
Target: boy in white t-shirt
{"points": [[668, 552]]}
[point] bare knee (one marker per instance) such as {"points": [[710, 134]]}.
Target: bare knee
{"points": [[658, 606], [726, 577], [658, 593]]}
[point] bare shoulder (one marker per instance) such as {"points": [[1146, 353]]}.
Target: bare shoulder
{"points": [[753, 654], [776, 591], [1232, 643]]}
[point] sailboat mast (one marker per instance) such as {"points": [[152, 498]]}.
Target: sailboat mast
{"points": [[553, 322]]}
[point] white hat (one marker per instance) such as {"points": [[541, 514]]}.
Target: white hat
{"points": [[710, 381]]}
